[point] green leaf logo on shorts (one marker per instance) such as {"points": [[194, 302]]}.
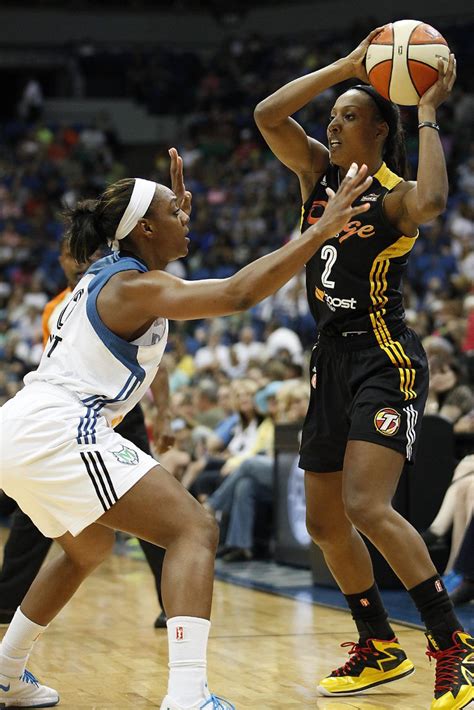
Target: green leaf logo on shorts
{"points": [[126, 455]]}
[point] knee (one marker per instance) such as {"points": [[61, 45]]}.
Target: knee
{"points": [[206, 530], [243, 488], [326, 532], [365, 513], [246, 467]]}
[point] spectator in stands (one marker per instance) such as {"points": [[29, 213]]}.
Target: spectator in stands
{"points": [[208, 412], [245, 351], [456, 511], [250, 485], [207, 473], [224, 431], [450, 395], [213, 356], [464, 565]]}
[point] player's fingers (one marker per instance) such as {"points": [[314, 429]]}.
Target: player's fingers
{"points": [[350, 175], [179, 173], [374, 33], [354, 176], [186, 203], [442, 69], [360, 208], [451, 73], [359, 189], [173, 165], [172, 152], [447, 79], [360, 176], [330, 193]]}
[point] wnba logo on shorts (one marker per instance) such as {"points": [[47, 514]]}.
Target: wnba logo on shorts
{"points": [[438, 586], [364, 602], [387, 421], [180, 633]]}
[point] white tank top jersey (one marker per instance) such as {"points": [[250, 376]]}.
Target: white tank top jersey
{"points": [[107, 374]]}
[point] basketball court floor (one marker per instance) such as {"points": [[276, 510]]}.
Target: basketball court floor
{"points": [[266, 651]]}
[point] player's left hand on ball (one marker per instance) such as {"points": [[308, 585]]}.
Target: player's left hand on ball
{"points": [[177, 181], [442, 87]]}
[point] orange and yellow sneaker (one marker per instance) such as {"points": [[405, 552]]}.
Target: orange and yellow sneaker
{"points": [[454, 684], [373, 664]]}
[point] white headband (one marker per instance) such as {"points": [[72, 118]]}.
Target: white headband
{"points": [[140, 200]]}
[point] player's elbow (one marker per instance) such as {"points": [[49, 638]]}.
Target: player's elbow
{"points": [[433, 207], [263, 114]]}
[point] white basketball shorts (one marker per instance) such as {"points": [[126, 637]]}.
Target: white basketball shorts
{"points": [[62, 476]]}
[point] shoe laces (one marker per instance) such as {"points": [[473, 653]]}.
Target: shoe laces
{"points": [[28, 677], [357, 654], [217, 703], [447, 666]]}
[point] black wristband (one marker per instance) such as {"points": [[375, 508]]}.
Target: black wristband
{"points": [[429, 124]]}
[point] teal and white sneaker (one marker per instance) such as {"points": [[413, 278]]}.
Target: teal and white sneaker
{"points": [[212, 703], [26, 692]]}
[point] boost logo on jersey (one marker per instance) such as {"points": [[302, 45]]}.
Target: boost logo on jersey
{"points": [[333, 302], [387, 421]]}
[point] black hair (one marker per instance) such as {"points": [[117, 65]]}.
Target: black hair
{"points": [[92, 224], [394, 149]]}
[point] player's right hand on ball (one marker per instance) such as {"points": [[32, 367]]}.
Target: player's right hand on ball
{"points": [[339, 210], [357, 57]]}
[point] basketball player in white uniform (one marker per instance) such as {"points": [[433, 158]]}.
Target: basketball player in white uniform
{"points": [[61, 460]]}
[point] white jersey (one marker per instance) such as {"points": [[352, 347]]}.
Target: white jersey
{"points": [[107, 374]]}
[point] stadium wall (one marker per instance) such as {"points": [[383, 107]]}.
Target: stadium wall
{"points": [[54, 27]]}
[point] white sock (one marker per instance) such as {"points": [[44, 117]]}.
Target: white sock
{"points": [[17, 644], [187, 643]]}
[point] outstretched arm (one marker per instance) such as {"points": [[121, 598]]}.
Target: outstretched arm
{"points": [[143, 297]]}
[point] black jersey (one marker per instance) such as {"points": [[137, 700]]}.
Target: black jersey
{"points": [[354, 280]]}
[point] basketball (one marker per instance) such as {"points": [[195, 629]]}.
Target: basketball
{"points": [[402, 61]]}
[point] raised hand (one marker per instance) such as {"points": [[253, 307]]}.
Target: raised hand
{"points": [[339, 210], [357, 57], [177, 181], [441, 89]]}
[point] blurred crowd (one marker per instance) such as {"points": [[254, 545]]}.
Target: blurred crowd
{"points": [[244, 205]]}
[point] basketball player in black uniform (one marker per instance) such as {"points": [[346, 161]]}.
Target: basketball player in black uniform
{"points": [[369, 375]]}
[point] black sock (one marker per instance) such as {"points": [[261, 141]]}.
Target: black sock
{"points": [[369, 615], [436, 610]]}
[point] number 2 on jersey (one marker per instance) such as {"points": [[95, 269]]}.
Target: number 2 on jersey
{"points": [[329, 254]]}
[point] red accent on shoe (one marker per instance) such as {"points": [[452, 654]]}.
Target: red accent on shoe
{"points": [[446, 666], [357, 653]]}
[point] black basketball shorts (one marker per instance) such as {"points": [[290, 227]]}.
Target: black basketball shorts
{"points": [[360, 391]]}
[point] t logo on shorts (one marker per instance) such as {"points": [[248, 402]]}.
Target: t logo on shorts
{"points": [[387, 421]]}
